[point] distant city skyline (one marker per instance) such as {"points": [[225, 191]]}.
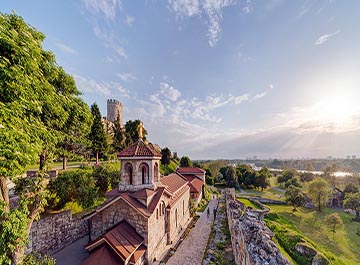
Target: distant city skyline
{"points": [[216, 78]]}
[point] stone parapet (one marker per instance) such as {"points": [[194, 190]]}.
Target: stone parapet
{"points": [[251, 238], [56, 231]]}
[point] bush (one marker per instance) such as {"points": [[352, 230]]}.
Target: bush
{"points": [[107, 176], [70, 186]]}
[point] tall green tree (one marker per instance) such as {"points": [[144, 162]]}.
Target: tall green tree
{"points": [[119, 137], [230, 177], [165, 156], [262, 178], [319, 191], [133, 129], [36, 96], [97, 133], [185, 162]]}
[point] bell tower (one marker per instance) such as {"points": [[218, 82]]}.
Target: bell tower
{"points": [[140, 167]]}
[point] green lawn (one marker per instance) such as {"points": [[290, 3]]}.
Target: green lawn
{"points": [[168, 169], [344, 249], [248, 203]]}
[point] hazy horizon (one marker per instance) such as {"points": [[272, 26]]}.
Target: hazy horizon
{"points": [[216, 78]]}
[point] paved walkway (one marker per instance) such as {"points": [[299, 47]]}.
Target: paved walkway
{"points": [[72, 254], [191, 250]]}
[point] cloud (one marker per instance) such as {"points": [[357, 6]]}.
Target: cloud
{"points": [[129, 20], [212, 9], [108, 8], [126, 77], [324, 38], [169, 91], [105, 88], [110, 41], [66, 49], [259, 96]]}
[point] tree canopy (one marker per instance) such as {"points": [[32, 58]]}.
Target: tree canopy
{"points": [[185, 162], [97, 133], [352, 201], [40, 112], [319, 191], [165, 156], [295, 197]]}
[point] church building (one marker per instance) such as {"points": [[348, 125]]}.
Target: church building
{"points": [[144, 215]]}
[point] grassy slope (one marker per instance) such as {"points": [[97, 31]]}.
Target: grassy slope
{"points": [[168, 169], [312, 224]]}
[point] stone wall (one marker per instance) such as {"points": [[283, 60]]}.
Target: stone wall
{"points": [[115, 213], [179, 215], [251, 238], [56, 231]]}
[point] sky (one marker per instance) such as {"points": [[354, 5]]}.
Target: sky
{"points": [[216, 79]]}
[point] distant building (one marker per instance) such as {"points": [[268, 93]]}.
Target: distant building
{"points": [[353, 157], [336, 198], [114, 108], [347, 157]]}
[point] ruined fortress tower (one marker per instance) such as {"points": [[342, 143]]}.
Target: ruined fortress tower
{"points": [[113, 108]]}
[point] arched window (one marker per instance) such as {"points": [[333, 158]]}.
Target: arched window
{"points": [[176, 218], [145, 176], [129, 172], [156, 172], [157, 213], [183, 207]]}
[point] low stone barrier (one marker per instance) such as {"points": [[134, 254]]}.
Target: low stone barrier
{"points": [[56, 231], [251, 238]]}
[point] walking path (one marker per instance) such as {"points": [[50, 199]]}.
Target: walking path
{"points": [[191, 250]]}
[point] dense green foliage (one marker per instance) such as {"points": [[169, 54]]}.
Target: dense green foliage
{"points": [[119, 137], [78, 185], [286, 175], [107, 176], [295, 197], [132, 129], [165, 156], [352, 201], [185, 162], [97, 133]]}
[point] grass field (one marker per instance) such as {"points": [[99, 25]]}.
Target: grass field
{"points": [[343, 249], [168, 169]]}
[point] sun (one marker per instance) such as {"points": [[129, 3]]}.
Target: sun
{"points": [[338, 109]]}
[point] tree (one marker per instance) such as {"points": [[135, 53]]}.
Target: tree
{"points": [[165, 156], [37, 101], [185, 162], [134, 131], [247, 175], [306, 176], [295, 197], [319, 191], [97, 133], [351, 188], [286, 175], [333, 220], [262, 178], [293, 181], [352, 201], [119, 137], [230, 177]]}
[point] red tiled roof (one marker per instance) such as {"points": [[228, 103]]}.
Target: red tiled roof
{"points": [[122, 239], [128, 197], [173, 182], [138, 253], [196, 185], [142, 194], [190, 170], [139, 149], [101, 256]]}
